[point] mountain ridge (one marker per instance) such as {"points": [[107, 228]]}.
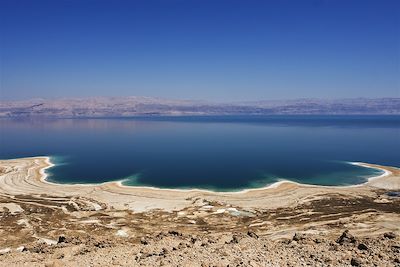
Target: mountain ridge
{"points": [[153, 106]]}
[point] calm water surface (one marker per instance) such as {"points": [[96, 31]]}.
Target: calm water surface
{"points": [[219, 153]]}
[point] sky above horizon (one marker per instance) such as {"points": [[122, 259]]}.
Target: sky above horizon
{"points": [[191, 49]]}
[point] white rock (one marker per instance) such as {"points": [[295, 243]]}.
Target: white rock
{"points": [[47, 241], [20, 249], [122, 233], [220, 211], [96, 206], [4, 250]]}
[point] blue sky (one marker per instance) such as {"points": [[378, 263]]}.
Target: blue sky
{"points": [[213, 50]]}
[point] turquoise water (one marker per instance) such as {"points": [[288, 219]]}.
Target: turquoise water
{"points": [[218, 153]]}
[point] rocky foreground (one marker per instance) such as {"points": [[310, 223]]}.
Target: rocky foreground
{"points": [[242, 249], [43, 231]]}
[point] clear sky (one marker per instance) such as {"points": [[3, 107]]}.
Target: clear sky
{"points": [[200, 49]]}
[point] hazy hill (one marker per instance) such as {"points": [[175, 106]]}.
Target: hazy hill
{"points": [[147, 106]]}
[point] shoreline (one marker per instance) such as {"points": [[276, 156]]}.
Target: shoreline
{"points": [[109, 219], [27, 176], [119, 183]]}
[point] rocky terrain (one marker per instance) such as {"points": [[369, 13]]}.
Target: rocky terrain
{"points": [[49, 231], [149, 106]]}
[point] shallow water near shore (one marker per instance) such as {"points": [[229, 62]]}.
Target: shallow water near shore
{"points": [[219, 153]]}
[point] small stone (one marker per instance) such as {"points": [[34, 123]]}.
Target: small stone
{"points": [[362, 246], [234, 240], [61, 239], [396, 248], [390, 235], [252, 234], [317, 241], [346, 237], [355, 262], [21, 249], [175, 233], [143, 241], [39, 248], [183, 245], [164, 251], [297, 237]]}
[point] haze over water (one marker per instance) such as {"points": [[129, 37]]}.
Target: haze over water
{"points": [[219, 153]]}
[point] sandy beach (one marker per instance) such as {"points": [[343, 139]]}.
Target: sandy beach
{"points": [[125, 215]]}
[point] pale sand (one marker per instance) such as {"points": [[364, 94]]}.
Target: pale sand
{"points": [[27, 176]]}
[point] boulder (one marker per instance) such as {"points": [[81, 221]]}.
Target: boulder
{"points": [[346, 237]]}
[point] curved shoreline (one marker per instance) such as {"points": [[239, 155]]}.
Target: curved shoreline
{"points": [[28, 176], [119, 183], [366, 165], [106, 221]]}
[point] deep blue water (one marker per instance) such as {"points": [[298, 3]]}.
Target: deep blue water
{"points": [[220, 153]]}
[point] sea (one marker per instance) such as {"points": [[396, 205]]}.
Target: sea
{"points": [[220, 153]]}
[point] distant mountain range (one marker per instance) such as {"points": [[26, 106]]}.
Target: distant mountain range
{"points": [[150, 106]]}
